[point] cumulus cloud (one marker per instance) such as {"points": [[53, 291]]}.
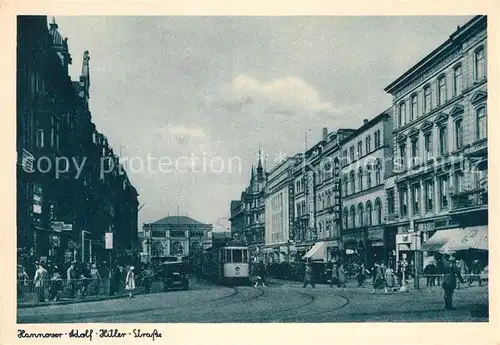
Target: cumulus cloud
{"points": [[281, 95]]}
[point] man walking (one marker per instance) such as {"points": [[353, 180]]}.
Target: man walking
{"points": [[261, 274], [308, 276], [41, 277], [451, 272]]}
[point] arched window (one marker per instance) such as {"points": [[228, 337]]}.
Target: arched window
{"points": [[457, 80], [441, 90], [360, 215], [368, 144], [479, 65], [459, 134], [402, 114], [427, 99], [369, 215], [352, 216], [378, 168], [368, 176], [360, 179], [345, 218], [378, 211], [482, 123], [414, 107], [346, 183], [353, 182]]}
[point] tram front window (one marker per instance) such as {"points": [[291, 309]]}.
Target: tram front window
{"points": [[237, 256], [229, 257], [245, 256]]}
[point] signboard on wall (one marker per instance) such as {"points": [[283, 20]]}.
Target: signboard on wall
{"points": [[336, 190], [108, 240], [291, 212]]}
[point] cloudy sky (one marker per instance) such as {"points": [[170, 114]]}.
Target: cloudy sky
{"points": [[214, 88]]}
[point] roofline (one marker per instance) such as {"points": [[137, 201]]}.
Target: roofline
{"points": [[369, 124], [477, 20]]}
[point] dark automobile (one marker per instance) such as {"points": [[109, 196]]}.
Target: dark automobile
{"points": [[174, 275]]}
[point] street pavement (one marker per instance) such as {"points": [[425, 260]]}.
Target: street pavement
{"points": [[280, 301]]}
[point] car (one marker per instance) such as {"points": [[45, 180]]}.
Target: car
{"points": [[174, 275]]}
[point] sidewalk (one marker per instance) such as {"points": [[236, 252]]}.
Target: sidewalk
{"points": [[121, 294]]}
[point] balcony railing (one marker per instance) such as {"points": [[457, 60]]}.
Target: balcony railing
{"points": [[469, 199]]}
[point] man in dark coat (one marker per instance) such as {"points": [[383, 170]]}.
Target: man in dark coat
{"points": [[451, 273]]}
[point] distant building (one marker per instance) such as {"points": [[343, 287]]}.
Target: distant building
{"points": [[175, 236]]}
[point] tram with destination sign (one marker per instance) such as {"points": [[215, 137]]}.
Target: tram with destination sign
{"points": [[226, 264]]}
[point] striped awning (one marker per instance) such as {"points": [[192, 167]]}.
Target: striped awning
{"points": [[475, 237], [439, 239]]}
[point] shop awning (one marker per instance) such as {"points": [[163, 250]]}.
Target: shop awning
{"points": [[317, 252], [439, 239], [475, 237]]}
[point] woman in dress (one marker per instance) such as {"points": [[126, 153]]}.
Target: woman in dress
{"points": [[379, 278], [130, 282], [95, 278], [389, 278]]}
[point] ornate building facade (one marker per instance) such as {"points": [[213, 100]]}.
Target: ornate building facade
{"points": [[440, 142]]}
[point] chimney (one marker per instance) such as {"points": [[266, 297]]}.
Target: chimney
{"points": [[365, 121], [324, 134]]}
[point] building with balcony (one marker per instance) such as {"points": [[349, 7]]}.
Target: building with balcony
{"points": [[366, 160], [440, 142]]}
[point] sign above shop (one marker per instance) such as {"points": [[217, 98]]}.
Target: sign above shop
{"points": [[61, 226]]}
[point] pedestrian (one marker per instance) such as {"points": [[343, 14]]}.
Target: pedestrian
{"points": [[115, 280], [450, 274], [308, 279], [379, 278], [389, 278], [342, 276], [40, 280], [56, 286], [82, 286], [430, 273], [335, 275], [147, 279], [464, 270], [439, 270], [360, 274], [475, 273], [130, 282], [95, 280], [22, 281], [71, 276], [261, 274]]}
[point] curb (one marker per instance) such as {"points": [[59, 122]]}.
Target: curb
{"points": [[75, 301]]}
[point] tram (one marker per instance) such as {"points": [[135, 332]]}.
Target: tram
{"points": [[226, 264]]}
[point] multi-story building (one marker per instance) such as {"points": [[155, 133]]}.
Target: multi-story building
{"points": [[440, 144], [175, 236], [237, 218], [320, 196], [62, 190], [279, 212], [366, 159]]}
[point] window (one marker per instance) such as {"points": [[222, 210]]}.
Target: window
{"points": [[459, 134], [443, 140], [443, 191], [479, 65], [415, 197], [378, 211], [346, 183], [377, 139], [39, 138], [414, 107], [360, 215], [428, 145], [352, 215], [353, 182], [378, 168], [457, 80], [237, 255], [368, 176], [351, 154], [360, 179], [344, 157], [441, 90], [459, 181], [402, 114], [429, 195], [414, 152], [345, 217], [403, 201], [482, 124], [52, 132], [402, 155], [360, 149], [427, 99], [391, 207], [369, 214], [368, 144]]}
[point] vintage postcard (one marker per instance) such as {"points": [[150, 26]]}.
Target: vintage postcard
{"points": [[249, 169]]}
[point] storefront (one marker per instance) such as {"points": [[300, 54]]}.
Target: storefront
{"points": [[322, 251], [354, 247], [375, 246]]}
